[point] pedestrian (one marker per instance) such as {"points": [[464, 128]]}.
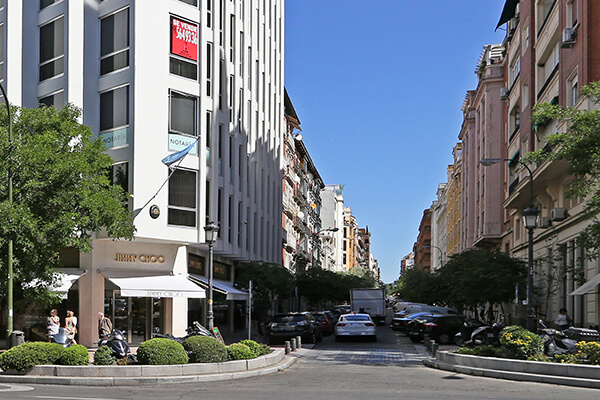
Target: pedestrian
{"points": [[563, 320], [104, 326], [53, 324], [71, 326]]}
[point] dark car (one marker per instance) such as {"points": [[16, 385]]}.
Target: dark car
{"points": [[400, 320], [326, 322], [415, 329], [440, 328], [286, 326]]}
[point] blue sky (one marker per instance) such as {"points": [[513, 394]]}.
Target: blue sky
{"points": [[378, 86]]}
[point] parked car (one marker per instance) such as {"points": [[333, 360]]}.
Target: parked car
{"points": [[415, 329], [326, 322], [415, 308], [400, 320], [355, 325], [444, 327], [289, 325]]}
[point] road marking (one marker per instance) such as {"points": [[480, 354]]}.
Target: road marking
{"points": [[71, 398], [372, 356], [14, 388]]}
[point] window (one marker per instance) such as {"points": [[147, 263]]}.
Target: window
{"points": [[182, 115], [119, 175], [572, 91], [209, 15], [572, 13], [184, 48], [57, 100], [46, 3], [52, 49], [190, 2], [209, 69], [2, 56], [182, 198], [114, 42], [114, 108]]}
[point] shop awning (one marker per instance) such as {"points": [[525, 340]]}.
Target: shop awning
{"points": [[63, 283], [224, 287], [134, 284], [508, 12], [586, 287]]}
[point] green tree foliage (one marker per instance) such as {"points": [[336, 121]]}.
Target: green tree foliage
{"points": [[61, 193], [480, 276], [579, 145], [419, 286], [268, 280], [320, 287]]}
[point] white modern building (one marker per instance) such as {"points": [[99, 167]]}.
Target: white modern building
{"points": [[153, 78]]}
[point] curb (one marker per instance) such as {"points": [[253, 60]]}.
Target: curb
{"points": [[282, 365], [513, 375]]}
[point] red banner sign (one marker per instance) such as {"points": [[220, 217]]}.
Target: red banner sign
{"points": [[184, 39]]}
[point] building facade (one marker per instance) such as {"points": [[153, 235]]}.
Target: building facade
{"points": [[153, 80], [332, 216]]}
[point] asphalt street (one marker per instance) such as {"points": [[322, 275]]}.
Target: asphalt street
{"points": [[390, 368]]}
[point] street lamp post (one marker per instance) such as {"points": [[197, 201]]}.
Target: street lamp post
{"points": [[530, 215], [9, 264], [441, 253], [212, 230]]}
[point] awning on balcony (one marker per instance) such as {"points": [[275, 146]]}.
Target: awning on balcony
{"points": [[63, 283], [508, 12], [141, 284], [224, 287], [586, 287]]}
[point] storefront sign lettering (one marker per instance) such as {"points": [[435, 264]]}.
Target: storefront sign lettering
{"points": [[142, 258], [163, 293]]}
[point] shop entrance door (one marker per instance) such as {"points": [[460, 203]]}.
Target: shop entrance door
{"points": [[136, 317]]}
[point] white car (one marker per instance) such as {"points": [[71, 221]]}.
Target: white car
{"points": [[350, 325]]}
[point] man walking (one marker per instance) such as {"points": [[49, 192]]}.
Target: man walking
{"points": [[104, 326]]}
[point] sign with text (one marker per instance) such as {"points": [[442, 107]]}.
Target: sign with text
{"points": [[115, 138], [180, 142], [184, 39]]}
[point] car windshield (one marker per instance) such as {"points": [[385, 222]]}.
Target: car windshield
{"points": [[357, 318], [288, 318], [318, 317]]}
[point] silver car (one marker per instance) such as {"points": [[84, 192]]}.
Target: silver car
{"points": [[355, 325]]}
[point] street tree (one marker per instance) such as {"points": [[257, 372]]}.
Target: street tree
{"points": [[419, 286], [62, 195], [579, 145], [481, 276], [269, 281]]}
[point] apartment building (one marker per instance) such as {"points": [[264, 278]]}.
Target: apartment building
{"points": [[552, 50], [422, 247], [482, 137], [302, 187], [154, 78], [332, 217], [453, 198], [439, 228]]}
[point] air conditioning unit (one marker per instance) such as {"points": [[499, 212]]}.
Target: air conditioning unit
{"points": [[504, 93], [569, 36], [558, 214], [544, 222]]}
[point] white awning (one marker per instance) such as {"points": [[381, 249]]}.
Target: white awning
{"points": [[64, 281], [224, 287], [586, 287], [133, 284]]}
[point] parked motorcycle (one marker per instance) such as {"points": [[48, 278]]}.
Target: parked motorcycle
{"points": [[195, 330], [556, 342], [479, 335], [61, 338], [116, 343]]}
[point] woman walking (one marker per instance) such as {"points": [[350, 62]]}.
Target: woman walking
{"points": [[71, 326], [53, 324]]}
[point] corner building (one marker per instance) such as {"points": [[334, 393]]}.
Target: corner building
{"points": [[153, 78]]}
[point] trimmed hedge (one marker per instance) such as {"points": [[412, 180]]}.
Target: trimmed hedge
{"points": [[103, 356], [75, 355], [160, 351], [24, 357], [258, 349], [239, 351], [205, 349]]}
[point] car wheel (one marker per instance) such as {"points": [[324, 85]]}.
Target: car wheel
{"points": [[444, 338]]}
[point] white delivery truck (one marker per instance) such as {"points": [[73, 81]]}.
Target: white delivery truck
{"points": [[369, 301]]}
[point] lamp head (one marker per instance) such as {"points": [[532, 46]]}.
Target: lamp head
{"points": [[530, 215], [211, 230], [486, 162]]}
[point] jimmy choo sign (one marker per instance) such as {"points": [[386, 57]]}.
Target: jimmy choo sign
{"points": [[141, 258]]}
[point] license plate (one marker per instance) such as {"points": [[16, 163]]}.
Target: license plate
{"points": [[414, 333]]}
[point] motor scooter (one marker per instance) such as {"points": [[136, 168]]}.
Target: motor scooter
{"points": [[61, 338], [479, 335], [556, 342], [194, 330], [116, 343]]}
